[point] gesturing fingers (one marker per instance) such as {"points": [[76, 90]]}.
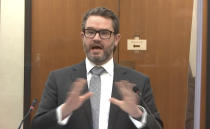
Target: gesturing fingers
{"points": [[74, 93], [116, 102], [85, 96], [125, 88], [129, 98], [78, 85], [74, 100]]}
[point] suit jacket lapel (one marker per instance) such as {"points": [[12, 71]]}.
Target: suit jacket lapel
{"points": [[80, 72], [114, 110]]}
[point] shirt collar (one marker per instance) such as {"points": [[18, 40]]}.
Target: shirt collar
{"points": [[108, 66]]}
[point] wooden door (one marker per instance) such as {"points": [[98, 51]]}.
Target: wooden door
{"points": [[166, 25]]}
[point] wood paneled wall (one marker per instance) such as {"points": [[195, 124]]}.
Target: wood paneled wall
{"points": [[166, 25]]}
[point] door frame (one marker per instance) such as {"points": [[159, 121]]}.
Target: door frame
{"points": [[27, 62], [208, 68]]}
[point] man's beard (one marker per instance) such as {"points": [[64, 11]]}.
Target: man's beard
{"points": [[107, 53]]}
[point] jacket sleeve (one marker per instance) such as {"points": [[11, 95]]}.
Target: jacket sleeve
{"points": [[46, 118]]}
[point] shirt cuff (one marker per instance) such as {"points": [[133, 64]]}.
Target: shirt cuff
{"points": [[140, 124], [59, 116]]}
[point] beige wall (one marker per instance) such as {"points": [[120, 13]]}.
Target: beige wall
{"points": [[11, 63], [193, 42]]}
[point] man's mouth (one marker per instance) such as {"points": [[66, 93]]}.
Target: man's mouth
{"points": [[96, 47]]}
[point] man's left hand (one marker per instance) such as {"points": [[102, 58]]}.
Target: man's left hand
{"points": [[129, 99]]}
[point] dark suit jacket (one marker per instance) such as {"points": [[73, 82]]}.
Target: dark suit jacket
{"points": [[58, 85]]}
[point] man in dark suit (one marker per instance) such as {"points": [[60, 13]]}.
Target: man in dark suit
{"points": [[66, 101]]}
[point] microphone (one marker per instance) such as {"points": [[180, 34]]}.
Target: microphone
{"points": [[34, 102], [137, 91]]}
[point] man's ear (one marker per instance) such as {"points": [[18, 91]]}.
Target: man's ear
{"points": [[117, 39], [82, 34]]}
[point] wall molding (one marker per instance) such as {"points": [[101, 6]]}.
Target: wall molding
{"points": [[208, 69]]}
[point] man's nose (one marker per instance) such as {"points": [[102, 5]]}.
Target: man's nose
{"points": [[97, 37]]}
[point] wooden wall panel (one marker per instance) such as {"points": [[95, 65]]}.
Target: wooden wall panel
{"points": [[166, 25]]}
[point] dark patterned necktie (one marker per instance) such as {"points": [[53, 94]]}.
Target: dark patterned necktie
{"points": [[95, 87]]}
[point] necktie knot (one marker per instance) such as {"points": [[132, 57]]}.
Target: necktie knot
{"points": [[97, 70]]}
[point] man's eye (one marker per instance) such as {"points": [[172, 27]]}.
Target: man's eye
{"points": [[104, 32], [91, 32]]}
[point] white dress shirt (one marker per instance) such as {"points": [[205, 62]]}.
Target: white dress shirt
{"points": [[106, 90]]}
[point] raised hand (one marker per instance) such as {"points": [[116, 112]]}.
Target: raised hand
{"points": [[74, 99], [130, 99]]}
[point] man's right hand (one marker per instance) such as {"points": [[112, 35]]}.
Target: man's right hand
{"points": [[74, 99]]}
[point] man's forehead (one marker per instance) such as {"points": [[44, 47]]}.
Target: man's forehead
{"points": [[99, 22]]}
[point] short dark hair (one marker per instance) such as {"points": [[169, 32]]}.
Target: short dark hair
{"points": [[104, 12]]}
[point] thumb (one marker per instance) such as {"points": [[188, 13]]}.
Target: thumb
{"points": [[115, 101], [86, 96]]}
